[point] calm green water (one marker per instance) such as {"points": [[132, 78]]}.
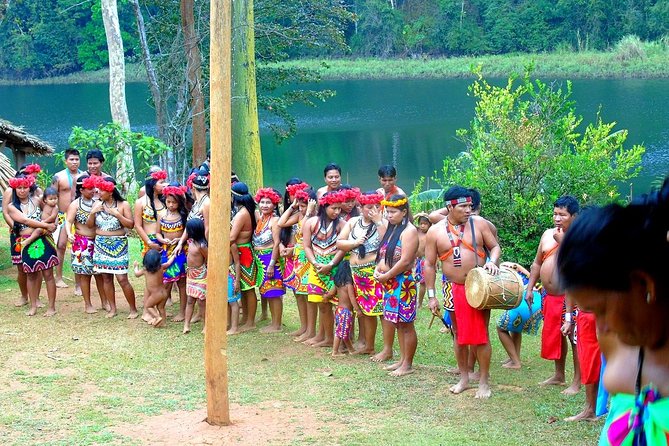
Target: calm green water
{"points": [[409, 123]]}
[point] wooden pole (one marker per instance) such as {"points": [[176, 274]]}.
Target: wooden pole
{"points": [[215, 339]]}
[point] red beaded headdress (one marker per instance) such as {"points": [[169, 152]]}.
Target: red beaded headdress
{"points": [[32, 169], [268, 192], [15, 183], [370, 199], [332, 198], [104, 185], [293, 188], [174, 190], [90, 182], [189, 181], [301, 195], [159, 175], [351, 194]]}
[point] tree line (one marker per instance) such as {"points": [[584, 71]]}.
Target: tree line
{"points": [[54, 37]]}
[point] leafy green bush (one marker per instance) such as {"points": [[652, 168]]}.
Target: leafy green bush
{"points": [[630, 48], [524, 151]]}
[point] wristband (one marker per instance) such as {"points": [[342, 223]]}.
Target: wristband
{"points": [[378, 223], [430, 293], [567, 317]]}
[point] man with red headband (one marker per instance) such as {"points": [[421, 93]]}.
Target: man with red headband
{"points": [[459, 242]]}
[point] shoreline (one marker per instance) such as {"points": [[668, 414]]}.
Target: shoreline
{"points": [[570, 65]]}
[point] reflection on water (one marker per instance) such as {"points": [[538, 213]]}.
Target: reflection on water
{"points": [[409, 123]]}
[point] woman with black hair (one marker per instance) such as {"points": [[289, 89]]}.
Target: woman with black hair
{"points": [[319, 235], [250, 270], [112, 218], [148, 211], [349, 208], [630, 300], [40, 256], [395, 260], [199, 186]]}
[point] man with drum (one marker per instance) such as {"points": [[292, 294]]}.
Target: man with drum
{"points": [[459, 242], [557, 321]]}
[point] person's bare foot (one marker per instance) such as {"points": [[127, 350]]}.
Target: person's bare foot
{"points": [[474, 376], [460, 387], [402, 371], [233, 332], [337, 354], [511, 365], [23, 301], [77, 291], [393, 366], [133, 315], [553, 381], [381, 356], [360, 345], [506, 361], [483, 392], [324, 343], [50, 312], [198, 317], [106, 306], [298, 332], [90, 309], [587, 415], [366, 351], [572, 390], [178, 318], [303, 337], [32, 311], [39, 303], [186, 330], [61, 284], [110, 314], [270, 329], [146, 317], [159, 322], [243, 328]]}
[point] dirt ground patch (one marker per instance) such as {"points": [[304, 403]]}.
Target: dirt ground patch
{"points": [[270, 422]]}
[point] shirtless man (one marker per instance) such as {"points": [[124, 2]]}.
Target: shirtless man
{"points": [[388, 180], [64, 182], [452, 241], [553, 341], [94, 160], [332, 177]]}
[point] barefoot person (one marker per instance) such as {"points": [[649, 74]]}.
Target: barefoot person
{"points": [[361, 236], [630, 301], [319, 235], [388, 180], [332, 176], [423, 226], [265, 241], [64, 183], [553, 342], [112, 218], [395, 259], [196, 280], [155, 294], [82, 239], [242, 226], [458, 241], [39, 257]]}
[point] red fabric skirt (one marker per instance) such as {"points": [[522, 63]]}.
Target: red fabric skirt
{"points": [[551, 336], [471, 323], [589, 355]]}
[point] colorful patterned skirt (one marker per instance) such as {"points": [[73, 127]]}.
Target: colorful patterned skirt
{"points": [[523, 319], [319, 284], [177, 269], [15, 246], [82, 255], [145, 247], [447, 289], [41, 254], [232, 296], [110, 255], [368, 291], [296, 279], [418, 270], [343, 322], [399, 299], [271, 285], [196, 282], [250, 267]]}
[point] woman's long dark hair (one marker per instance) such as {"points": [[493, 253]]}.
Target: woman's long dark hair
{"points": [[241, 197], [79, 184], [16, 201], [323, 216], [116, 195], [362, 251], [355, 211], [149, 187], [195, 231], [181, 202], [393, 233]]}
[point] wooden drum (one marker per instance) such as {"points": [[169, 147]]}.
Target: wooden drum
{"points": [[485, 291]]}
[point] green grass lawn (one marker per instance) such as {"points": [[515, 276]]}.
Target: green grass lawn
{"points": [[72, 378]]}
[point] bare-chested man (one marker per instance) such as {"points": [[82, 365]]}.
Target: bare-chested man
{"points": [[64, 183], [458, 241], [388, 180], [556, 319], [94, 160]]}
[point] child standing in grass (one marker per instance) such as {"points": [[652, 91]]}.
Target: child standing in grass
{"points": [[196, 271], [155, 294], [423, 225]]}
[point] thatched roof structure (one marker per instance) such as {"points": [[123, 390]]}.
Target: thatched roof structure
{"points": [[21, 142], [6, 171]]}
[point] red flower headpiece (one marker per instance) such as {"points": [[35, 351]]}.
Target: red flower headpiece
{"points": [[293, 188], [370, 199], [189, 181], [104, 185], [159, 175], [268, 192], [90, 182], [15, 183], [301, 195], [351, 194], [32, 169], [332, 198], [174, 190]]}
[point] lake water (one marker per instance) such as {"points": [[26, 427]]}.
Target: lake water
{"points": [[409, 123]]}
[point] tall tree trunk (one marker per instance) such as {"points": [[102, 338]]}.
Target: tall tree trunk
{"points": [[247, 156], [194, 60], [125, 170], [158, 103]]}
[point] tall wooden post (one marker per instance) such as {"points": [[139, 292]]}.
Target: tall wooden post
{"points": [[215, 339]]}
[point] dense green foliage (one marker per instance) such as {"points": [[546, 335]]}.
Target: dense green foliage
{"points": [[52, 37], [525, 149]]}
